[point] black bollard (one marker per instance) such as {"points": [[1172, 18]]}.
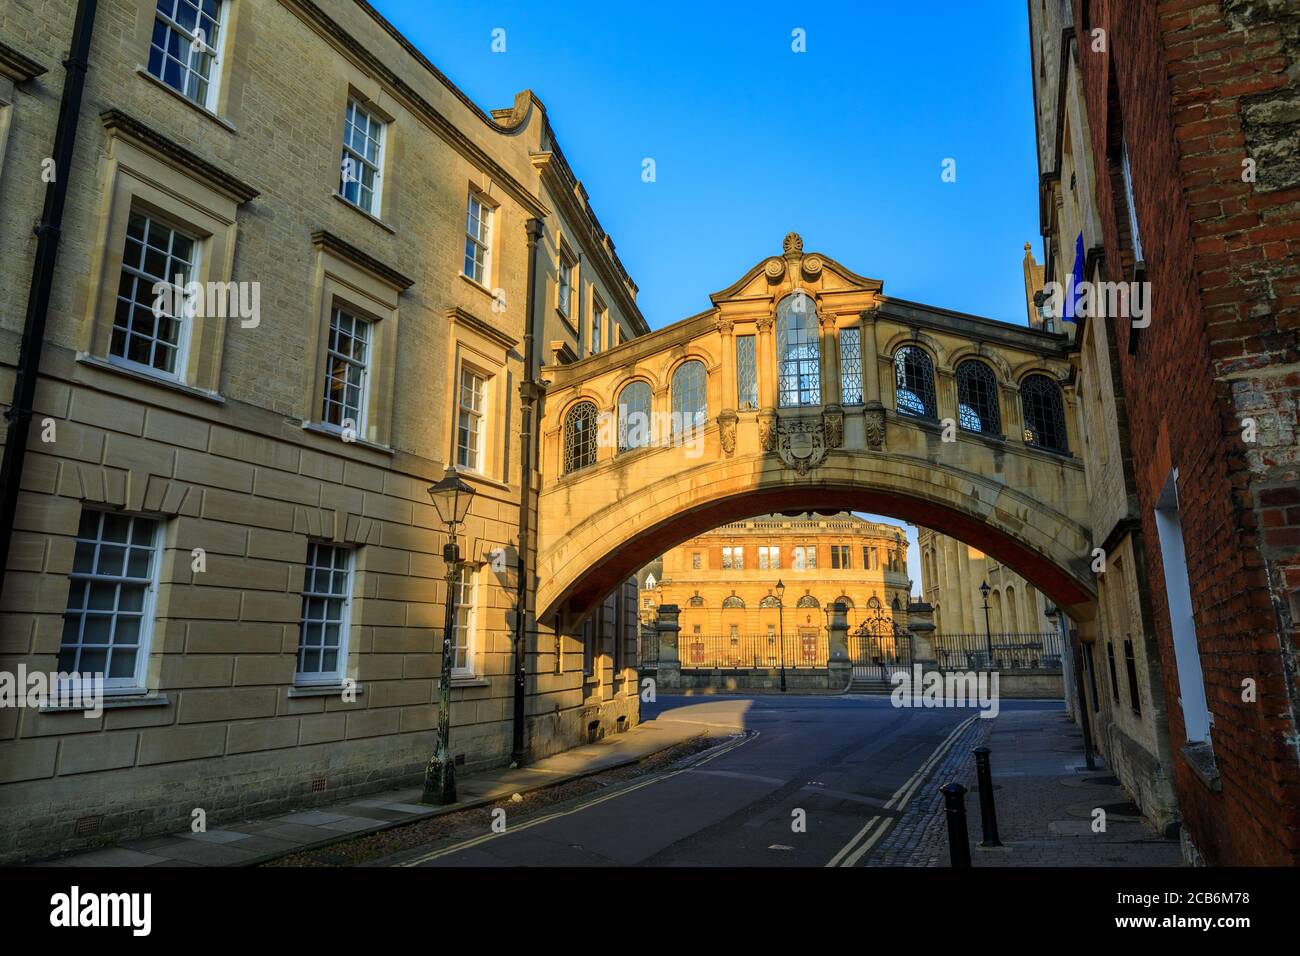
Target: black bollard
{"points": [[954, 808], [988, 813]]}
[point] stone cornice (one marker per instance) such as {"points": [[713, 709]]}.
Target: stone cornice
{"points": [[458, 315], [312, 14], [323, 239], [16, 66], [990, 331], [115, 121]]}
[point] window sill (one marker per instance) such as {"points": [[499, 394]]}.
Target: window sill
{"points": [[94, 361], [197, 107], [481, 478], [1200, 758], [316, 428], [477, 285], [467, 681], [112, 702], [325, 690], [361, 212]]}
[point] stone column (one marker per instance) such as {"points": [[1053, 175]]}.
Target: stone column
{"points": [[767, 373], [968, 586], [669, 675], [727, 418], [1013, 419], [874, 413], [839, 665], [829, 352]]}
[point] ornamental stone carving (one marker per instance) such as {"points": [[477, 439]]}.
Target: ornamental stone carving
{"points": [[875, 420], [767, 431], [833, 422], [727, 431], [793, 244]]}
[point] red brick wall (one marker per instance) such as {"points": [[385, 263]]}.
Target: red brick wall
{"points": [[1194, 86]]}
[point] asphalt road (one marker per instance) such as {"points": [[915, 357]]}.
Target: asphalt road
{"points": [[846, 762]]}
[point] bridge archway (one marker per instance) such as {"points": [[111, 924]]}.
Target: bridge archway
{"points": [[788, 427]]}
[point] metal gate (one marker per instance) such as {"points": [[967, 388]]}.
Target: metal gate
{"points": [[879, 648]]}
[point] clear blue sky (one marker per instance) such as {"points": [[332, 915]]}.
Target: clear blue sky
{"points": [[842, 143]]}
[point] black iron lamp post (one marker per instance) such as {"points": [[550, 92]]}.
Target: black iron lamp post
{"points": [[451, 498], [988, 631], [780, 619]]}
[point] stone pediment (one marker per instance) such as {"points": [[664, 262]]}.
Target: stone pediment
{"points": [[794, 268]]}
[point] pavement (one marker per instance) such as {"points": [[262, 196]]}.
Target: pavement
{"points": [[250, 842], [1045, 799], [797, 781]]}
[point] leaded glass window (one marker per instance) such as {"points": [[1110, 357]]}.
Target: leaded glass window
{"points": [[851, 366], [690, 408], [798, 352], [1044, 413], [977, 399], [634, 416], [914, 382], [580, 437], [746, 373]]}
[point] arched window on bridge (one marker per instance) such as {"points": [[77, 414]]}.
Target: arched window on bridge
{"points": [[1044, 413], [732, 601], [977, 398], [690, 404], [914, 382], [798, 352], [634, 416], [580, 437], [808, 601]]}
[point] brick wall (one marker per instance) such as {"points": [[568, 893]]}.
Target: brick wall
{"points": [[1195, 87]]}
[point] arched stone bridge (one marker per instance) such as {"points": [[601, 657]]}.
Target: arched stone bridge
{"points": [[804, 387]]}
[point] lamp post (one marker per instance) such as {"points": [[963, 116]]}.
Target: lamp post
{"points": [[780, 626], [451, 499], [988, 631]]}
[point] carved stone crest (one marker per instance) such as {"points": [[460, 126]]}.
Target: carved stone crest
{"points": [[801, 443], [875, 420], [793, 243]]}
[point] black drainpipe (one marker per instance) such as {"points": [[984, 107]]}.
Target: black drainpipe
{"points": [[19, 413], [529, 393]]}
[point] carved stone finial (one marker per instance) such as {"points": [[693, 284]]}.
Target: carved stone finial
{"points": [[793, 243]]}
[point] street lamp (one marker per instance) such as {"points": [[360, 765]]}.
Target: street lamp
{"points": [[780, 626], [451, 499], [988, 631]]}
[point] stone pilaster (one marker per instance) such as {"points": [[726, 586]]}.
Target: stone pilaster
{"points": [[669, 675]]}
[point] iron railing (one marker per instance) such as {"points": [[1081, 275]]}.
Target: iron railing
{"points": [[648, 649], [1010, 651], [752, 651]]}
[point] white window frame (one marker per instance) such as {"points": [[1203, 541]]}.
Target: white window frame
{"points": [[483, 242], [209, 102], [1129, 201], [182, 353], [470, 611], [335, 677], [566, 287], [598, 314], [1182, 621], [476, 415], [379, 123], [363, 404], [136, 683]]}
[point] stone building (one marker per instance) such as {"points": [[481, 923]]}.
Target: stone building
{"points": [[223, 498], [723, 580], [951, 575], [1166, 135]]}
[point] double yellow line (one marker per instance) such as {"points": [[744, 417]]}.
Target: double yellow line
{"points": [[877, 825], [476, 841]]}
